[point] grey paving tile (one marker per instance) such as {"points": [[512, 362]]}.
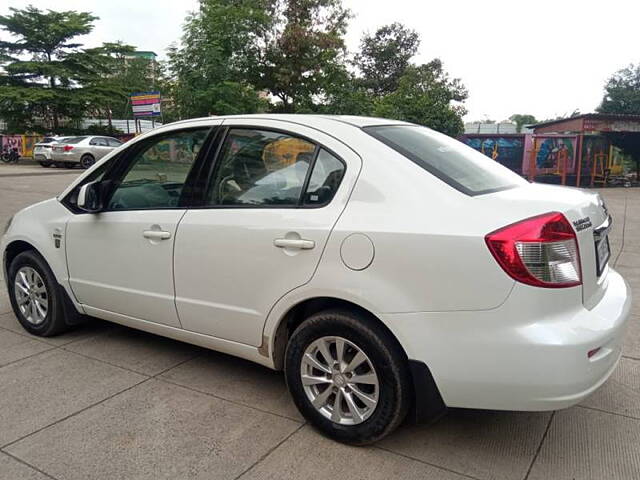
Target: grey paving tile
{"points": [[586, 444], [308, 455], [621, 393], [136, 350], [90, 329], [236, 380], [48, 387], [483, 444], [15, 347], [155, 431], [11, 469], [631, 345]]}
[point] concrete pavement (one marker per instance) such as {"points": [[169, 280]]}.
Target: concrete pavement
{"points": [[107, 402]]}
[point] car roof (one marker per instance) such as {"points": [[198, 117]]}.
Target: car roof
{"points": [[353, 120]]}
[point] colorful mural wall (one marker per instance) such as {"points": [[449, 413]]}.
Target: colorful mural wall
{"points": [[507, 150], [23, 143], [551, 154]]}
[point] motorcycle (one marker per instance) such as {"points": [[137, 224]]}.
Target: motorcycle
{"points": [[10, 155]]}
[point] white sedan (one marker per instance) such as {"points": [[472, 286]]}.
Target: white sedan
{"points": [[389, 270]]}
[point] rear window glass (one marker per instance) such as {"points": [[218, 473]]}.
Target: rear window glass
{"points": [[453, 162], [72, 140]]}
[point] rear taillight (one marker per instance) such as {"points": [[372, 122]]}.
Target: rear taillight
{"points": [[540, 251], [68, 148]]}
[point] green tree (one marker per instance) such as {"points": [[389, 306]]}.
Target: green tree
{"points": [[522, 119], [622, 92], [45, 73], [304, 50], [385, 56], [210, 70], [427, 96]]}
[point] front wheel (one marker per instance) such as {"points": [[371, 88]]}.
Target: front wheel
{"points": [[34, 295], [348, 377]]}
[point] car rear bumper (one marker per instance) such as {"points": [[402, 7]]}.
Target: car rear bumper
{"points": [[531, 353]]}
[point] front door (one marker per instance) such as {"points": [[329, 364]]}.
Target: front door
{"points": [[273, 197], [121, 260]]}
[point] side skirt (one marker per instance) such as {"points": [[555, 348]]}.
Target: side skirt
{"points": [[248, 352]]}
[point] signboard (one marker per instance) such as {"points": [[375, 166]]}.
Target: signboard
{"points": [[146, 104]]}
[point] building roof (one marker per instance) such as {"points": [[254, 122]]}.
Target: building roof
{"points": [[487, 128], [592, 116]]}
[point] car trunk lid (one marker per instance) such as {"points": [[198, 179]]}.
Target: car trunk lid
{"points": [[586, 212]]}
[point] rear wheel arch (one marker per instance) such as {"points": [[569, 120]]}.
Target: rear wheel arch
{"points": [[297, 314], [427, 405]]}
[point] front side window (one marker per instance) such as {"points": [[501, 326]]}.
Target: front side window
{"points": [[158, 171], [113, 142], [453, 162], [261, 168]]}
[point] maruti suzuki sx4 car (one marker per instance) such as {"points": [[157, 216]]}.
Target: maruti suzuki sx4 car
{"points": [[389, 270]]}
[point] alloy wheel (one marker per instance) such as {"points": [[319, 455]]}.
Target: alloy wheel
{"points": [[340, 380], [31, 295]]}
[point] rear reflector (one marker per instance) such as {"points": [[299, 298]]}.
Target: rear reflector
{"points": [[540, 251], [591, 353]]}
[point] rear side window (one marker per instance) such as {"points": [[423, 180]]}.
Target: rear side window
{"points": [[325, 179], [72, 140], [458, 165]]}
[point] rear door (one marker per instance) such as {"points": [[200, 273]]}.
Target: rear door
{"points": [[99, 147], [273, 196]]}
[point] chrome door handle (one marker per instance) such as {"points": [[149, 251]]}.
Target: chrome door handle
{"points": [[156, 234], [294, 243]]}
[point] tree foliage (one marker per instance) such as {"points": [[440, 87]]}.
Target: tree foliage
{"points": [[522, 119], [427, 96], [235, 56], [49, 77], [385, 55], [622, 92], [211, 70], [303, 52]]}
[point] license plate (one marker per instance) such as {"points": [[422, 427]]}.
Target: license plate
{"points": [[603, 252]]}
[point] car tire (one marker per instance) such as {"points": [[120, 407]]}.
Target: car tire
{"points": [[367, 411], [34, 295], [45, 164], [87, 161]]}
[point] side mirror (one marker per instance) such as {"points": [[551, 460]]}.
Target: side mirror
{"points": [[89, 197]]}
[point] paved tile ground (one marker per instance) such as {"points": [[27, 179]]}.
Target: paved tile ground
{"points": [[107, 402]]}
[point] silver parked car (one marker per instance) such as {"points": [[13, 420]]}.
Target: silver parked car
{"points": [[85, 150], [42, 150]]}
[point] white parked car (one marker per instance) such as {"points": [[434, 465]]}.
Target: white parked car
{"points": [[82, 150], [389, 270], [42, 150]]}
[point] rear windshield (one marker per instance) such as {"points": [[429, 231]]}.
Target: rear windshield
{"points": [[72, 140], [453, 162]]}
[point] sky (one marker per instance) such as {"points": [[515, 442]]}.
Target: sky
{"points": [[546, 58]]}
